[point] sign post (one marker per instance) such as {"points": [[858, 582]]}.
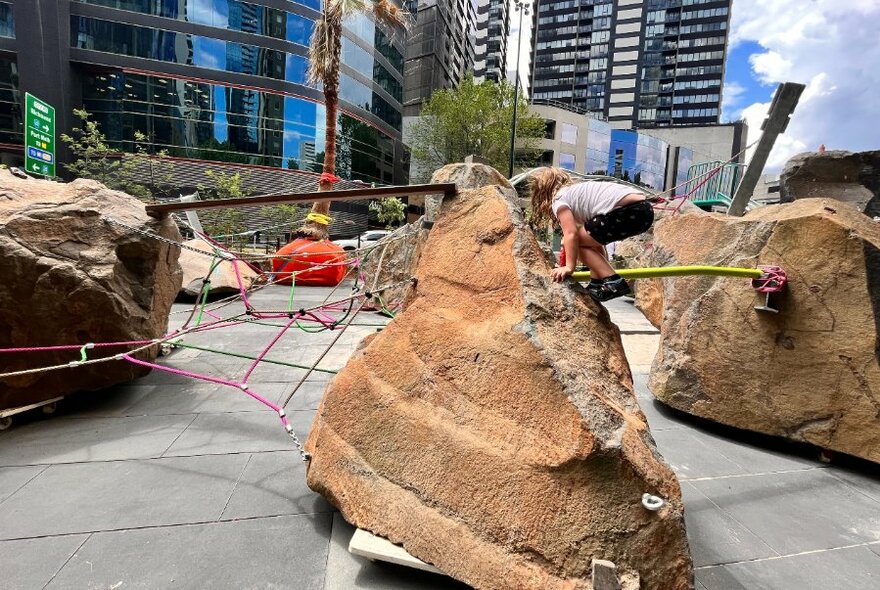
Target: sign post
{"points": [[39, 136]]}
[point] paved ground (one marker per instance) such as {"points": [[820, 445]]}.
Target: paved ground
{"points": [[169, 483]]}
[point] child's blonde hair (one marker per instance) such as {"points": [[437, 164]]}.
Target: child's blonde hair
{"points": [[543, 186]]}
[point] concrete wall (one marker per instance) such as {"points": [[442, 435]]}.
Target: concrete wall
{"points": [[556, 144], [709, 142]]}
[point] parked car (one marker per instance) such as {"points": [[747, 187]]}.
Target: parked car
{"points": [[368, 238]]}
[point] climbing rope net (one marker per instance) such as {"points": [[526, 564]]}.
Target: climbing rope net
{"points": [[335, 314]]}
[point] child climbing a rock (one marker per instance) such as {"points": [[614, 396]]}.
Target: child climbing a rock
{"points": [[591, 214]]}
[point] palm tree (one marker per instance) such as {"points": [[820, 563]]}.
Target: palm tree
{"points": [[324, 60]]}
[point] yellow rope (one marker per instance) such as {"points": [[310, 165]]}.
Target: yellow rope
{"points": [[319, 218], [678, 271]]}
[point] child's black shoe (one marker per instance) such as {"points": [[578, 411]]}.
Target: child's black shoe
{"points": [[608, 289]]}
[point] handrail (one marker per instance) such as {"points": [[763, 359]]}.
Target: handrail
{"points": [[447, 189]]}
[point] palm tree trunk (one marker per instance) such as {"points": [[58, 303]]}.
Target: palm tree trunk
{"points": [[313, 229]]}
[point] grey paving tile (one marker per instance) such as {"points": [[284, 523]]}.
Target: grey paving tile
{"points": [[272, 484], [266, 373], [307, 397], [31, 563], [224, 371], [203, 398], [69, 440], [875, 547], [756, 459], [347, 572], [797, 511], [660, 416], [714, 536], [13, 478], [286, 552], [843, 569], [865, 482], [106, 403], [121, 494], [627, 317], [689, 457], [242, 432]]}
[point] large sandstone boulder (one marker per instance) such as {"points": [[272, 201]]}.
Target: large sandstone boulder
{"points": [[221, 281], [841, 175], [396, 256], [809, 373], [71, 277], [491, 429]]}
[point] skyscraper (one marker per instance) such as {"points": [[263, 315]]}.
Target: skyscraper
{"points": [[439, 49], [641, 63], [493, 27]]}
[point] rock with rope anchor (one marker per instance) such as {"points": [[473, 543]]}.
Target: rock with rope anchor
{"points": [[802, 363], [70, 275], [491, 428], [204, 271]]}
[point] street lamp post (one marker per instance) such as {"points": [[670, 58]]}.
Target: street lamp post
{"points": [[521, 6]]}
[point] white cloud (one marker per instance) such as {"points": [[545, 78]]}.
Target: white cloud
{"points": [[830, 46], [731, 100]]}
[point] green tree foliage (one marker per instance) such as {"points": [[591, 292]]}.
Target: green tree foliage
{"points": [[130, 172], [229, 220], [390, 211], [282, 215], [474, 119]]}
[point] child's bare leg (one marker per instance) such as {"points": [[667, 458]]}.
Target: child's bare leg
{"points": [[592, 253]]}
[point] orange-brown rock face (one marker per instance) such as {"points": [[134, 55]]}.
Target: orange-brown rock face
{"points": [[810, 373], [491, 428], [68, 276]]}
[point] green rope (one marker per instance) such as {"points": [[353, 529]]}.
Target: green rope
{"points": [[385, 310], [253, 358], [292, 291], [206, 288]]}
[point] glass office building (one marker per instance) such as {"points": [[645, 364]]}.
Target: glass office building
{"points": [[638, 158], [214, 80], [639, 63]]}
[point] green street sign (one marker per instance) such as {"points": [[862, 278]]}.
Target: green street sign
{"points": [[39, 136]]}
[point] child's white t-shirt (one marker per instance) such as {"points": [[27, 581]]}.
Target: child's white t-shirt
{"points": [[590, 198]]}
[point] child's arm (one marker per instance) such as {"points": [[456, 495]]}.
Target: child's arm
{"points": [[569, 242]]}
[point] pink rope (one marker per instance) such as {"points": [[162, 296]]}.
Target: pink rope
{"points": [[218, 381], [266, 350]]}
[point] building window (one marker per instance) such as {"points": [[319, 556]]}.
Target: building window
{"points": [[566, 161], [7, 20], [209, 121], [569, 134], [11, 127]]}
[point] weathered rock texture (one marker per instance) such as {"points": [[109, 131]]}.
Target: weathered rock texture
{"points": [[396, 256], [810, 373], [70, 277], [637, 252], [845, 176], [222, 280], [491, 428]]}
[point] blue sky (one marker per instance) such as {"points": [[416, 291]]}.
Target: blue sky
{"points": [[741, 87]]}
